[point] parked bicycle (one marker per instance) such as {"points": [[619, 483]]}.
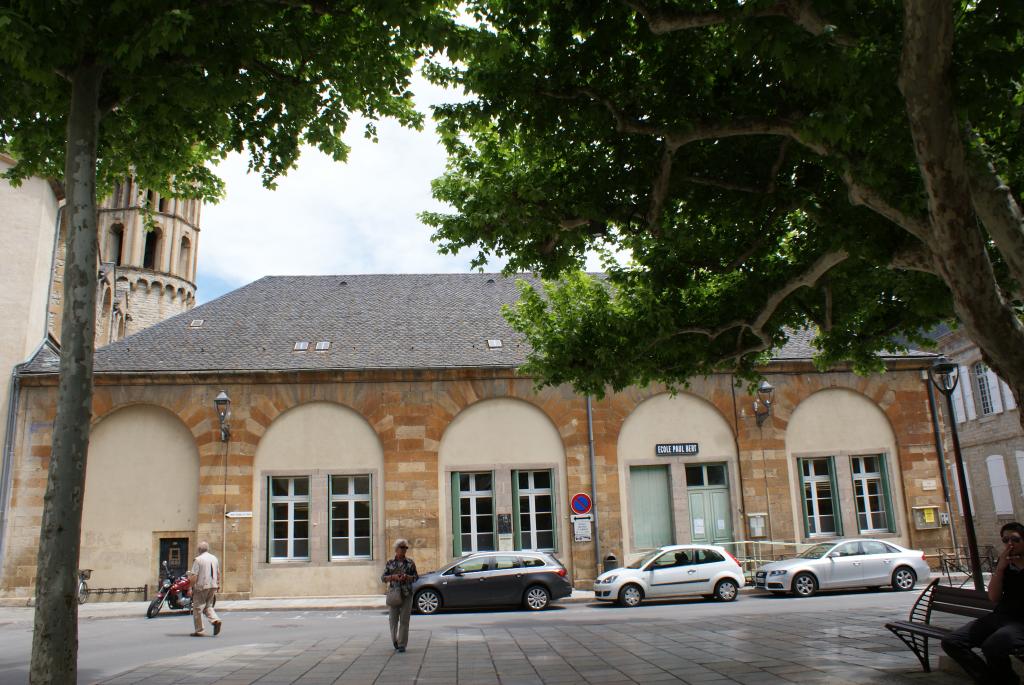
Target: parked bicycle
{"points": [[83, 588]]}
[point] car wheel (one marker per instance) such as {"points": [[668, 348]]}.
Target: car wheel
{"points": [[631, 595], [427, 601], [727, 590], [536, 598], [903, 579], [154, 607], [805, 585]]}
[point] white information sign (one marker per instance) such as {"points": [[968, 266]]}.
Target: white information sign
{"points": [[239, 514], [582, 527], [698, 526]]}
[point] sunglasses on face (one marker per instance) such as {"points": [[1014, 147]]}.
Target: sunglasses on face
{"points": [[1011, 538], [404, 547]]}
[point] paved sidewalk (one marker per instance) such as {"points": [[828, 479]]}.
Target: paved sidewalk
{"points": [[91, 610], [750, 650]]}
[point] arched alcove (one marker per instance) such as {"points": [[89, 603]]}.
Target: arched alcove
{"points": [[502, 458], [318, 489], [141, 485], [678, 474], [844, 467]]}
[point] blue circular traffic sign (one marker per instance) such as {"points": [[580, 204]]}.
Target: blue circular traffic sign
{"points": [[581, 503]]}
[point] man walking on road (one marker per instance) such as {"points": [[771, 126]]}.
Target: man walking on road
{"points": [[205, 579]]}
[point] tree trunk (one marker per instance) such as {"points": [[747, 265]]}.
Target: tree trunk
{"points": [[926, 81], [55, 638]]}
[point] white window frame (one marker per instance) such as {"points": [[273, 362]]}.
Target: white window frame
{"points": [[979, 376], [1002, 501], [291, 499], [811, 511], [351, 498], [861, 496], [474, 496], [529, 537]]}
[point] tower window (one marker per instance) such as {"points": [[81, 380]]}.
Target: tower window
{"points": [[115, 240], [323, 346], [184, 257], [301, 346], [151, 251], [162, 205]]}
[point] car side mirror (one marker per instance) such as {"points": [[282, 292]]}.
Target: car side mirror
{"points": [[458, 571], [833, 555]]}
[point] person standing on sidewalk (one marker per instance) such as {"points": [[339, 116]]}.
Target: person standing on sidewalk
{"points": [[1000, 633], [400, 573], [205, 580]]}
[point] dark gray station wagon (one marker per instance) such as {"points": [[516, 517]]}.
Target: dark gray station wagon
{"points": [[530, 579]]}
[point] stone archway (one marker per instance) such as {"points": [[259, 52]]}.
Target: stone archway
{"points": [[844, 467], [141, 483], [677, 496], [501, 467]]}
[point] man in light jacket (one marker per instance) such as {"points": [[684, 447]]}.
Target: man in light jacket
{"points": [[205, 580]]}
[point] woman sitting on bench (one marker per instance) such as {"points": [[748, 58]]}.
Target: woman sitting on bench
{"points": [[1001, 633]]}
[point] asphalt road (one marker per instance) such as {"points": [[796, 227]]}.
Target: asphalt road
{"points": [[110, 646]]}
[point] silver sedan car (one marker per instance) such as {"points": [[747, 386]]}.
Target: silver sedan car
{"points": [[845, 564]]}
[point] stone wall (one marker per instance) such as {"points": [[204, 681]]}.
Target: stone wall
{"points": [[982, 436], [409, 412]]}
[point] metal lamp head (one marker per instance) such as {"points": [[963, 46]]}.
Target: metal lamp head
{"points": [[944, 375], [223, 405], [763, 403]]}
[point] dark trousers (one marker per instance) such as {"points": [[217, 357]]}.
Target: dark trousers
{"points": [[997, 636]]}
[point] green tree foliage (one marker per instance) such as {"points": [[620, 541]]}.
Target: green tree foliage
{"points": [[95, 90], [766, 164]]}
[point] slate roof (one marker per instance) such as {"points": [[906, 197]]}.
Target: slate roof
{"points": [[387, 321]]}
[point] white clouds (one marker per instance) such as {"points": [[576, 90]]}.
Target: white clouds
{"points": [[331, 218], [326, 217]]}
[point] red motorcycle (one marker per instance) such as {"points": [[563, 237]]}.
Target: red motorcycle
{"points": [[175, 591]]}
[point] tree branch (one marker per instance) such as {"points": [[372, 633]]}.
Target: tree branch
{"points": [[800, 12], [785, 126], [808, 278], [659, 189], [997, 209], [915, 258]]}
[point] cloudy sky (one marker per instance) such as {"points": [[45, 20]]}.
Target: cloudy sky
{"points": [[330, 218]]}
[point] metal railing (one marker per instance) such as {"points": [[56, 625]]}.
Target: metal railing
{"points": [[753, 554], [957, 560]]}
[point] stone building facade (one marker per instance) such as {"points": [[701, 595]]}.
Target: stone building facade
{"points": [[992, 442], [146, 265], [367, 408]]}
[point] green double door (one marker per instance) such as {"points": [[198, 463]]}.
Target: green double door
{"points": [[707, 489]]}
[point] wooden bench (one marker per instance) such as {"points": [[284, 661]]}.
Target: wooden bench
{"points": [[916, 631]]}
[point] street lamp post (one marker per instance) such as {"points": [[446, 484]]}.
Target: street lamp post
{"points": [[944, 376]]}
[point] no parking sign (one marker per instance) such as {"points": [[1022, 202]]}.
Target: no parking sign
{"points": [[581, 503]]}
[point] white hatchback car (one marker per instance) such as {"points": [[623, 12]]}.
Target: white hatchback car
{"points": [[670, 572]]}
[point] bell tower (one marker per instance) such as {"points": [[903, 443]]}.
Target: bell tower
{"points": [[147, 267]]}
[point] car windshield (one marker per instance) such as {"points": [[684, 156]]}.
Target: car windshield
{"points": [[644, 559], [816, 552]]}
